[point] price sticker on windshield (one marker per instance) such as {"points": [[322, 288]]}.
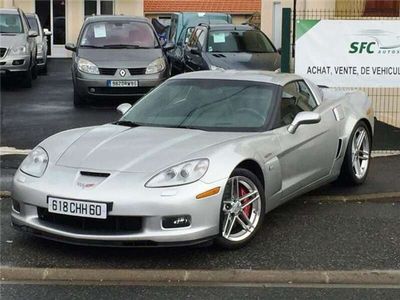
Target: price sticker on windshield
{"points": [[100, 31]]}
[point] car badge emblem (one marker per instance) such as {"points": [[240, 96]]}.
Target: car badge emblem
{"points": [[86, 185], [122, 73]]}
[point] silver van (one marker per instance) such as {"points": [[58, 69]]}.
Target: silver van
{"points": [[17, 46]]}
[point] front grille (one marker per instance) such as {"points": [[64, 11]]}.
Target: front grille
{"points": [[120, 90], [107, 71], [111, 225], [137, 71], [3, 51]]}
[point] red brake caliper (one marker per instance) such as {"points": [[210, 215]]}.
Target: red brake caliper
{"points": [[243, 191]]}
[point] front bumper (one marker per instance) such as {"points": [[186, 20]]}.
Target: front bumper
{"points": [[93, 86], [14, 65], [131, 200]]}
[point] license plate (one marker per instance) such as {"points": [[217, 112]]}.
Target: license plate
{"points": [[78, 208], [122, 83]]}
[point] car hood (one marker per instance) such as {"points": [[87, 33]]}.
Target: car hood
{"points": [[139, 149], [9, 40], [245, 61], [120, 58]]}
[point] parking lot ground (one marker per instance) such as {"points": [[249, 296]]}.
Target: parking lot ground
{"points": [[300, 235]]}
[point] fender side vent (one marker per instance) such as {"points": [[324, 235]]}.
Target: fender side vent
{"points": [[339, 148], [94, 174]]}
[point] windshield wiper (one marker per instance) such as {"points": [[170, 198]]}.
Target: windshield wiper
{"points": [[124, 46], [91, 46], [127, 123]]}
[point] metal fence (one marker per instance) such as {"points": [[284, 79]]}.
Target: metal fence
{"points": [[386, 101]]}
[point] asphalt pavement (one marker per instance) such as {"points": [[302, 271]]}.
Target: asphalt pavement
{"points": [[99, 292]]}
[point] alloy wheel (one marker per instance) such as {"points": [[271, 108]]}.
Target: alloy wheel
{"points": [[360, 152], [241, 209]]}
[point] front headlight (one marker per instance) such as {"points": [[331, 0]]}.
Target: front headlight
{"points": [[215, 68], [19, 50], [35, 163], [156, 66], [184, 173], [87, 66]]}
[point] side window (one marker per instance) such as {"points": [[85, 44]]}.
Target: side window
{"points": [[193, 38], [201, 38], [306, 99], [27, 25], [289, 109], [172, 29], [296, 97]]}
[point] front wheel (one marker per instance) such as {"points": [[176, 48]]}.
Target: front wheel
{"points": [[358, 155], [242, 209], [78, 100]]}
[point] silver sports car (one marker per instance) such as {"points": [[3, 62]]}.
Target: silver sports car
{"points": [[201, 158]]}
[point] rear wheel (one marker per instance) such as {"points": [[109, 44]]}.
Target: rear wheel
{"points": [[357, 158], [242, 209]]}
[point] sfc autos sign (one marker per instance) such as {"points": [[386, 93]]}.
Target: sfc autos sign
{"points": [[349, 53]]}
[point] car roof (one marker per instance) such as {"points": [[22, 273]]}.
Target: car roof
{"points": [[92, 19], [9, 11], [280, 79], [31, 15]]}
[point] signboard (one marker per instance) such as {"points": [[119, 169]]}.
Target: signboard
{"points": [[349, 53]]}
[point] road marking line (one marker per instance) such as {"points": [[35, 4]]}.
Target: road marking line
{"points": [[13, 151], [232, 276]]}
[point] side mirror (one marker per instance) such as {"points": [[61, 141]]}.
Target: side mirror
{"points": [[32, 33], [124, 107], [47, 32], [279, 50], [302, 118], [195, 51], [70, 46], [168, 46]]}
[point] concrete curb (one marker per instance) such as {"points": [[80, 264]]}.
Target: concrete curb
{"points": [[212, 277]]}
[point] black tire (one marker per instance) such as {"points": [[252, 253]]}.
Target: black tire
{"points": [[34, 72], [226, 243], [27, 79], [78, 100], [348, 174], [44, 70]]}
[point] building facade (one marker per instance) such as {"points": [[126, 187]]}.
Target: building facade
{"points": [[64, 18]]}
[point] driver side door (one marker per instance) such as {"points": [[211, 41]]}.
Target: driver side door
{"points": [[307, 155]]}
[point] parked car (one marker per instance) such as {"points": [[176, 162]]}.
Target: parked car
{"points": [[18, 46], [239, 47], [116, 56], [182, 25], [200, 158], [41, 41]]}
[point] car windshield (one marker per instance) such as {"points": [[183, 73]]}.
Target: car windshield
{"points": [[10, 23], [220, 105], [252, 41], [118, 34], [33, 23]]}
